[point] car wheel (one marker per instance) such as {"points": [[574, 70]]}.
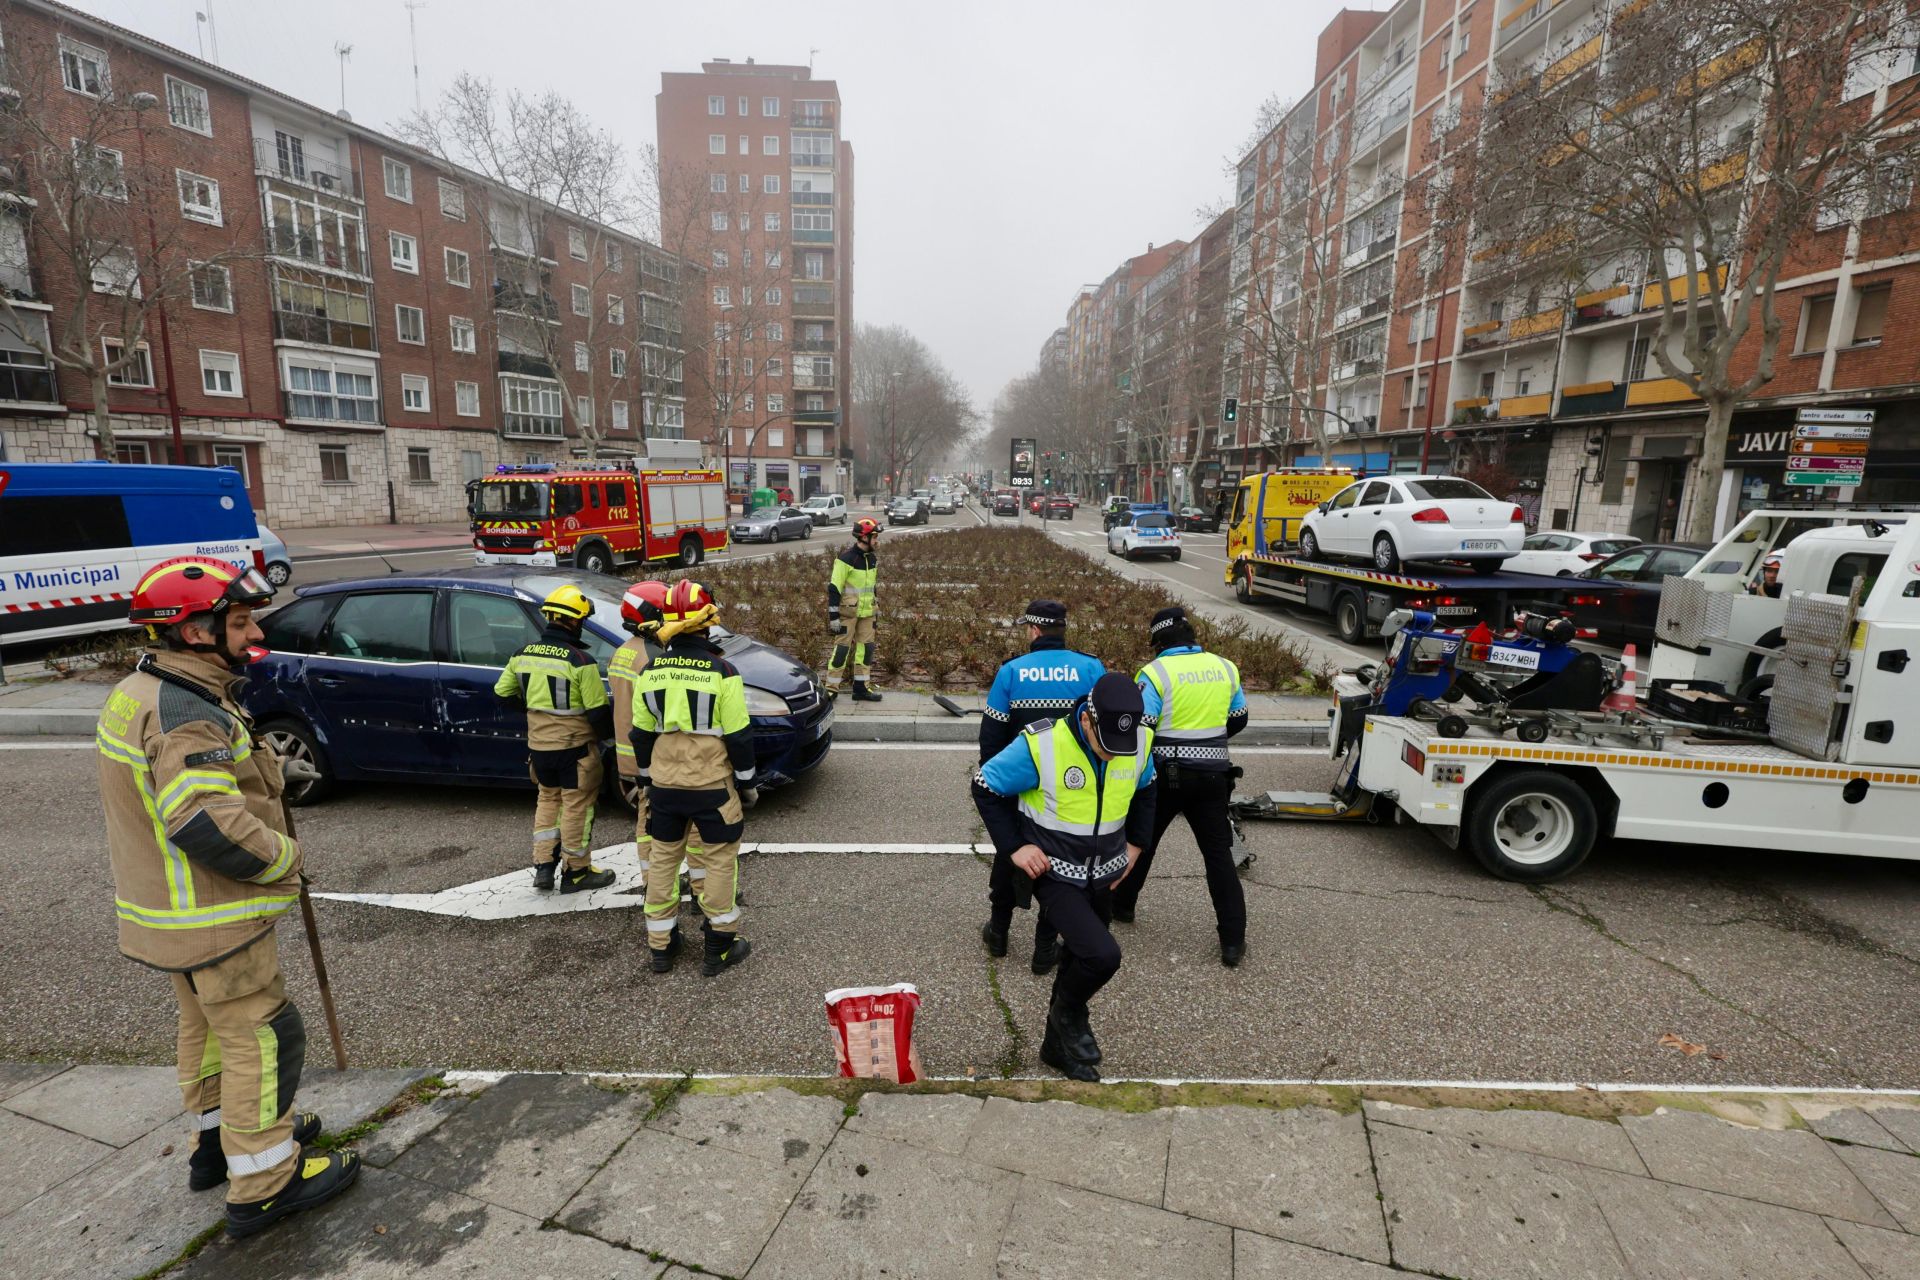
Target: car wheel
{"points": [[1385, 558], [808, 531], [1174, 556], [1243, 585], [1309, 545], [1751, 670], [279, 573], [1486, 568], [1758, 689], [1532, 826], [593, 558], [292, 740], [1350, 618], [624, 789], [1564, 573]]}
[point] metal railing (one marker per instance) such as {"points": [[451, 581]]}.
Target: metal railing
{"points": [[321, 175], [520, 362], [320, 407], [813, 117], [299, 326], [525, 302], [286, 242], [812, 159]]}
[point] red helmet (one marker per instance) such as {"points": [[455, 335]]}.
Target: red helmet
{"points": [[865, 528], [643, 607], [689, 606], [178, 589]]}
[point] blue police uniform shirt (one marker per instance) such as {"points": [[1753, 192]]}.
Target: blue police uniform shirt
{"points": [[1041, 684]]}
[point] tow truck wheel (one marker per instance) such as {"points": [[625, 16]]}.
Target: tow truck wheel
{"points": [[1349, 619], [1533, 826], [690, 551], [1243, 584]]}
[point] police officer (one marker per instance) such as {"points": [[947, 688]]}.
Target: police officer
{"points": [[558, 682], [851, 586], [1044, 682], [1193, 699], [693, 748], [203, 868], [1073, 799]]}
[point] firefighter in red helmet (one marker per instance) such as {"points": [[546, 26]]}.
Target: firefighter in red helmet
{"points": [[851, 590]]}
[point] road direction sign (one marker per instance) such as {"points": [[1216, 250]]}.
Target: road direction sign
{"points": [[1831, 448], [1828, 479], [1835, 416], [1855, 465], [1825, 431]]}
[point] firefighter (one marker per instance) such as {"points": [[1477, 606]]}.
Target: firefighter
{"points": [[1194, 700], [693, 750], [1040, 684], [640, 614], [856, 573], [202, 871], [558, 682], [1073, 799]]}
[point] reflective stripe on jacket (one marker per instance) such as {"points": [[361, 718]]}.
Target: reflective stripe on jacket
{"points": [[853, 583], [559, 683], [1073, 806], [622, 669], [202, 864], [1194, 700], [690, 691], [1038, 685]]}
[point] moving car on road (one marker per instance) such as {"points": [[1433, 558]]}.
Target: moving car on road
{"points": [[773, 524], [1057, 509], [1566, 554], [1198, 520], [1389, 521], [279, 563], [944, 503], [826, 508], [1005, 504], [1147, 533], [391, 679], [908, 511]]}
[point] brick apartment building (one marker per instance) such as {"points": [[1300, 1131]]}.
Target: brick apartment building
{"points": [[757, 186], [1406, 351], [352, 349]]}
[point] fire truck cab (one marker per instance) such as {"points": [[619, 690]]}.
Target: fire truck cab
{"points": [[595, 517]]}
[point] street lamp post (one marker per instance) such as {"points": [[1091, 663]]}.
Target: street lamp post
{"points": [[141, 104]]}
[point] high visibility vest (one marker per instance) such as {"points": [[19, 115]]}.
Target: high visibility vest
{"points": [[622, 668], [681, 692], [1078, 813], [560, 684], [854, 583], [1196, 694]]}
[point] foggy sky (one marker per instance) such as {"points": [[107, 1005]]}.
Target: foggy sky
{"points": [[1007, 151]]}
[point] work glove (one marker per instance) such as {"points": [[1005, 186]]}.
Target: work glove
{"points": [[749, 797], [835, 627], [292, 771]]}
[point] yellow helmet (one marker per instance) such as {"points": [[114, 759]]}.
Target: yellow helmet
{"points": [[567, 604]]}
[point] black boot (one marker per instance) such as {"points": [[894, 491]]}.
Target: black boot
{"points": [[1046, 952], [663, 957], [724, 950], [1231, 953], [587, 877], [1122, 912], [1075, 1032], [1054, 1052], [863, 694], [318, 1177], [543, 874], [996, 939], [207, 1166]]}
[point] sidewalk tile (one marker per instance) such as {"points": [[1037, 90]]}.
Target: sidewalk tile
{"points": [[1894, 1179], [1857, 1126], [40, 1157], [114, 1105], [1489, 1213], [1791, 1167], [398, 1135], [1105, 1151], [528, 1143], [390, 1227], [1886, 1255], [343, 1099], [1666, 1230], [16, 1077], [1304, 1175], [1061, 1231], [1543, 1133], [1902, 1122], [936, 1121], [873, 1207], [701, 1205], [775, 1125], [1255, 1257]]}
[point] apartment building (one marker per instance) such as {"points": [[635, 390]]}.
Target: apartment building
{"points": [[353, 340], [757, 186]]}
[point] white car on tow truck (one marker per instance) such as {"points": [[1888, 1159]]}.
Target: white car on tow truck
{"points": [[1392, 519]]}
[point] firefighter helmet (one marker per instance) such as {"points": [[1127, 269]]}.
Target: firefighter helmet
{"points": [[567, 603], [641, 608], [689, 606], [178, 589], [865, 529]]}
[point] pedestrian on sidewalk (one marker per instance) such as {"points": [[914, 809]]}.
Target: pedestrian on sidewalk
{"points": [[851, 587], [1040, 684], [1073, 798], [203, 869], [1194, 701]]}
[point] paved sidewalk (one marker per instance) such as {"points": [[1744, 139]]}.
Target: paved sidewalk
{"points": [[545, 1175], [346, 539]]}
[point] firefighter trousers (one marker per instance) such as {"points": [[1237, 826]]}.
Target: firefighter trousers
{"points": [[242, 1046], [713, 865], [857, 644], [643, 843], [569, 786]]}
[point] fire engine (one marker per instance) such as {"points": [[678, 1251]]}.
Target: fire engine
{"points": [[595, 517]]}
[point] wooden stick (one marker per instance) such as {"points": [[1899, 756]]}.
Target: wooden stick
{"points": [[319, 961]]}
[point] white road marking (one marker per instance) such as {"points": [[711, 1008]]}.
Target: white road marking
{"points": [[969, 746], [83, 745]]}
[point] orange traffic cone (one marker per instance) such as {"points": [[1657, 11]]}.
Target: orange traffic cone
{"points": [[1623, 698]]}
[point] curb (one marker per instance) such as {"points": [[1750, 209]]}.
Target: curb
{"points": [[48, 722], [310, 555]]}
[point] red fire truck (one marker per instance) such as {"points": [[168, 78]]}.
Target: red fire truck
{"points": [[595, 517]]}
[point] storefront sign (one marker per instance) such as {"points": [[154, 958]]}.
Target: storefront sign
{"points": [[1768, 445]]}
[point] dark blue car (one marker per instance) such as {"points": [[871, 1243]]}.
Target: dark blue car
{"points": [[391, 679]]}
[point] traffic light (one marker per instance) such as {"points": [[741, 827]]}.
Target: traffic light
{"points": [[1232, 412]]}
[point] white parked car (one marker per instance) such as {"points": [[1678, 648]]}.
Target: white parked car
{"points": [[826, 508], [1562, 555], [1149, 533], [1399, 518]]}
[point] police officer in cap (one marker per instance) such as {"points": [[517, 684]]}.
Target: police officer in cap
{"points": [[1044, 682], [1194, 701], [1073, 798]]}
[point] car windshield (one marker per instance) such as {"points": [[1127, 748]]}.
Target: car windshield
{"points": [[526, 499], [1443, 487], [817, 502], [1153, 520]]}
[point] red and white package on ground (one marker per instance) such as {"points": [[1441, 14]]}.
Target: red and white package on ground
{"points": [[873, 1031]]}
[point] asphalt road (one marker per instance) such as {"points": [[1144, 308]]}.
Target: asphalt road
{"points": [[1376, 952]]}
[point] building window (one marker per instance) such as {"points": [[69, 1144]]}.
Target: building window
{"points": [[773, 259], [773, 297], [83, 68], [770, 107], [813, 221], [1816, 318], [333, 465], [399, 179], [616, 310], [776, 437], [199, 197], [815, 266], [746, 145], [460, 329], [582, 300], [420, 466], [466, 401], [220, 373], [717, 220], [102, 171], [411, 324], [413, 393], [616, 256], [1636, 370], [232, 455], [290, 150], [722, 296], [770, 145], [776, 332], [716, 104], [459, 268], [320, 390], [530, 407], [404, 251], [576, 243], [770, 185], [776, 367], [720, 259], [583, 410], [776, 402], [717, 144], [1870, 318], [717, 183], [187, 107], [132, 451], [137, 372], [582, 358], [772, 221], [453, 200], [621, 415], [743, 105], [617, 362], [212, 286]]}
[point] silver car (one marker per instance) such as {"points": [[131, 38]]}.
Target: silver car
{"points": [[773, 524]]}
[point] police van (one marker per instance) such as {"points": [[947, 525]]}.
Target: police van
{"points": [[75, 537]]}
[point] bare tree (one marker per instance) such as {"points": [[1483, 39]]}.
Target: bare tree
{"points": [[1684, 149], [914, 406]]}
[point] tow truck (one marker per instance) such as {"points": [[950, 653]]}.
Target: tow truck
{"points": [[1264, 529], [1829, 763]]}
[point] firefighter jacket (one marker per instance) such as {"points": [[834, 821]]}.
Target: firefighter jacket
{"points": [[853, 583], [622, 668], [1194, 702], [1049, 789], [1040, 684], [691, 733], [559, 683], [202, 863]]}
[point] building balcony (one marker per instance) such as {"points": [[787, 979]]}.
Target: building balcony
{"points": [[1592, 397], [1365, 367], [819, 116], [822, 307], [1656, 391], [1538, 405], [816, 418], [298, 326], [812, 237], [521, 362], [1539, 324], [813, 382], [1678, 287], [25, 383], [532, 426], [811, 159], [819, 346], [529, 248], [305, 406], [320, 175], [813, 197], [654, 335], [525, 302], [1605, 304], [285, 242], [802, 449], [1488, 333]]}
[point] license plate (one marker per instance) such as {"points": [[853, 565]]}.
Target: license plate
{"points": [[1482, 544], [1453, 610], [825, 723]]}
